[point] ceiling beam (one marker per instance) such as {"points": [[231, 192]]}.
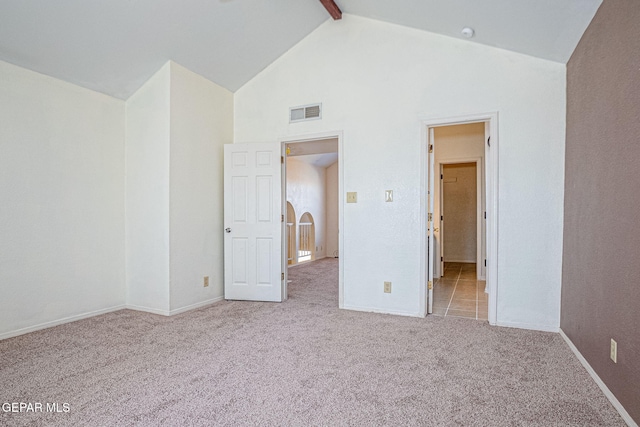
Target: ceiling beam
{"points": [[332, 8]]}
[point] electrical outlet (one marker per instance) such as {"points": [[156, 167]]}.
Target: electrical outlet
{"points": [[352, 197], [206, 281], [614, 351], [387, 287]]}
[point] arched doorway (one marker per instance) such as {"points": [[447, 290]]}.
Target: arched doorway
{"points": [[307, 238]]}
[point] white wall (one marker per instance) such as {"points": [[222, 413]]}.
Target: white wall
{"points": [[177, 124], [107, 203], [306, 191], [62, 192], [201, 122], [147, 186], [376, 81], [454, 143], [331, 205]]}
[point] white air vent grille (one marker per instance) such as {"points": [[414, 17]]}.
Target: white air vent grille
{"points": [[305, 112]]}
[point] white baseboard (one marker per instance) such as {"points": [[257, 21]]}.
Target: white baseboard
{"points": [[148, 309], [175, 310], [306, 262], [64, 320], [380, 311], [530, 326], [616, 404], [196, 305], [86, 315]]}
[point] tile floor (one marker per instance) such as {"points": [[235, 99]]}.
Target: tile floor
{"points": [[458, 293]]}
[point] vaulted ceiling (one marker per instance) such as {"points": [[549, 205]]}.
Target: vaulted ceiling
{"points": [[114, 46]]}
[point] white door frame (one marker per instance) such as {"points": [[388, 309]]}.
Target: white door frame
{"points": [[308, 138], [479, 171], [491, 183]]}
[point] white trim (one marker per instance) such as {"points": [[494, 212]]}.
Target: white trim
{"points": [[62, 321], [341, 229], [176, 310], [313, 137], [424, 200], [382, 311], [609, 395], [441, 234], [148, 310], [196, 305], [491, 183], [284, 239], [306, 262], [530, 326]]}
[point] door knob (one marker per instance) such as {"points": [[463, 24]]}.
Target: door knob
{"points": [[228, 230]]}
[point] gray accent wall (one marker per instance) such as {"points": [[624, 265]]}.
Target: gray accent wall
{"points": [[601, 255]]}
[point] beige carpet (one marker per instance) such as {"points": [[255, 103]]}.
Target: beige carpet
{"points": [[299, 363]]}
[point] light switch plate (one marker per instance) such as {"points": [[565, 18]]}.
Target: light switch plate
{"points": [[352, 197]]}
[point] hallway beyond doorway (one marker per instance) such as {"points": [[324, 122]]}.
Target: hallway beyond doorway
{"points": [[458, 293]]}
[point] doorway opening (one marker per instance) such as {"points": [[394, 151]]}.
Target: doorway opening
{"points": [[461, 204], [312, 184], [460, 211], [459, 283], [307, 242]]}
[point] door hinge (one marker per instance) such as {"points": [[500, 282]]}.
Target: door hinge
{"points": [[281, 276], [441, 176], [485, 215], [489, 141], [430, 217], [282, 159], [282, 218], [430, 284], [431, 148], [441, 259], [441, 217], [485, 262]]}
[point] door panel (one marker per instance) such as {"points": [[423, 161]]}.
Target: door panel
{"points": [[252, 220], [240, 261], [239, 199]]}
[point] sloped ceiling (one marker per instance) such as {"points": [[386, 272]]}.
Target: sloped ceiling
{"points": [[114, 46]]}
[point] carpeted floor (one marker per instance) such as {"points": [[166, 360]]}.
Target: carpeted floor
{"points": [[300, 363]]}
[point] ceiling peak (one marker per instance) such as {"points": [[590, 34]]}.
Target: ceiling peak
{"points": [[332, 8]]}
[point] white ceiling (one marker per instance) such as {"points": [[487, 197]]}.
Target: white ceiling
{"points": [[321, 160], [322, 153], [114, 46]]}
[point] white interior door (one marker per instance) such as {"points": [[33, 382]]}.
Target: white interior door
{"points": [[430, 224], [253, 222]]}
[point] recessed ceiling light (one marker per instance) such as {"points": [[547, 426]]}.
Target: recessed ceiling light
{"points": [[468, 32]]}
